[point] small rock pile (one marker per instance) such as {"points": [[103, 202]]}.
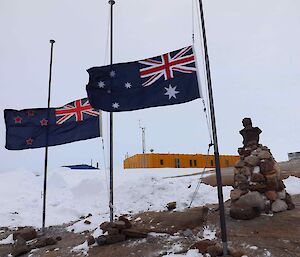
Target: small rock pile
{"points": [[258, 187], [118, 231]]}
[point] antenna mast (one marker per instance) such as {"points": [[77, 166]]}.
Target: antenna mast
{"points": [[143, 137]]}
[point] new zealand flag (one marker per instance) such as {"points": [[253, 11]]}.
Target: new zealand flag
{"points": [[167, 79], [40, 127]]}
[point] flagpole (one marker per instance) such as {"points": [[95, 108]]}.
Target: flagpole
{"points": [[111, 163], [215, 139], [46, 148]]}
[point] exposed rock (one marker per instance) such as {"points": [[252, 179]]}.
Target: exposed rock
{"points": [[289, 202], [215, 250], [120, 224], [264, 154], [188, 232], [112, 239], [235, 253], [266, 166], [281, 194], [127, 221], [202, 245], [271, 195], [260, 187], [257, 177], [236, 194], [171, 206], [251, 199], [100, 240], [20, 247], [239, 178], [87, 222], [58, 238], [279, 205], [246, 213], [26, 233], [134, 233], [105, 225], [252, 160], [113, 231], [42, 242], [90, 240], [239, 164]]}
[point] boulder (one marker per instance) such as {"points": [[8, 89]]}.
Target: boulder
{"points": [[120, 224], [252, 160], [134, 233], [215, 250], [289, 202], [239, 164], [42, 242], [113, 231], [281, 194], [259, 187], [257, 177], [252, 199], [279, 205], [26, 233], [112, 239], [264, 154], [20, 247], [90, 240], [236, 194], [246, 171], [127, 221], [266, 166], [171, 206], [202, 245], [105, 225], [271, 195], [87, 222], [246, 213], [101, 240]]}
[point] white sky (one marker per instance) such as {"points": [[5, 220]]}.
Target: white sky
{"points": [[254, 55]]}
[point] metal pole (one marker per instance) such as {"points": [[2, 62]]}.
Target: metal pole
{"points": [[215, 139], [111, 163], [46, 148]]}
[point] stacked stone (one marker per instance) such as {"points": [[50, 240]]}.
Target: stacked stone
{"points": [[257, 184], [118, 231]]}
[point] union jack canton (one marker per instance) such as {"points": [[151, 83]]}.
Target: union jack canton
{"points": [[75, 111], [167, 66]]}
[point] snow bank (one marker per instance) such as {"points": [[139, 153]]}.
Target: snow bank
{"points": [[72, 194]]}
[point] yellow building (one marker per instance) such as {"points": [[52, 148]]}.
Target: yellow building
{"points": [[161, 160]]}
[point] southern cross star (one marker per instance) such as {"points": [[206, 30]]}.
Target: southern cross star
{"points": [[115, 105], [101, 84], [128, 85], [171, 91], [112, 73]]}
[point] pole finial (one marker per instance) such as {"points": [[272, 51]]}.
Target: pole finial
{"points": [[52, 41], [111, 2]]}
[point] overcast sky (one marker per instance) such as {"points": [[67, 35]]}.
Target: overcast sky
{"points": [[255, 64]]}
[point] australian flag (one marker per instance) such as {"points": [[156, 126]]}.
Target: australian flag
{"points": [[167, 79], [40, 127]]}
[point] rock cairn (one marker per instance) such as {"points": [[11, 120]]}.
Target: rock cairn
{"points": [[118, 231], [258, 187]]}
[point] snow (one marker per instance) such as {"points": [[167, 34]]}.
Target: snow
{"points": [[72, 194], [190, 253], [8, 240], [82, 249]]}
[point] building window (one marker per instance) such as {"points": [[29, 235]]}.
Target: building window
{"points": [[191, 163], [161, 162], [211, 163], [195, 163], [177, 163]]}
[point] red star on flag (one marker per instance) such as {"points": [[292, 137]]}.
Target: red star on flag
{"points": [[18, 120], [44, 122], [30, 113], [29, 141]]}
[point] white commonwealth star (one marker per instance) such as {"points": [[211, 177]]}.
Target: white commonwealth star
{"points": [[128, 85], [115, 105], [171, 91], [101, 84], [112, 73]]}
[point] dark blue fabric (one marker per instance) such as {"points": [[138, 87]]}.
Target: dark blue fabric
{"points": [[24, 129], [114, 91]]}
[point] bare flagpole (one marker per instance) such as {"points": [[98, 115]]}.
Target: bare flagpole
{"points": [[111, 163], [215, 139], [46, 148]]}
